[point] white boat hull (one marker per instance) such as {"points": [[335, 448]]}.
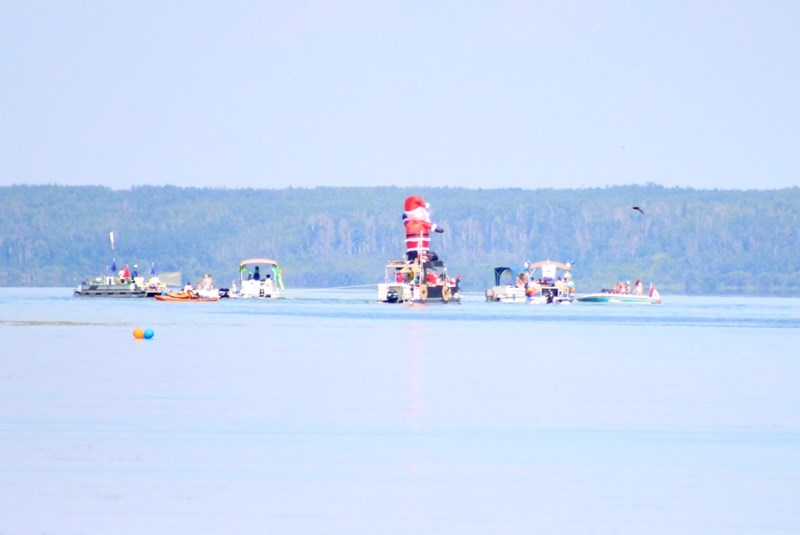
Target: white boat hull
{"points": [[252, 289], [619, 299], [514, 294], [112, 287]]}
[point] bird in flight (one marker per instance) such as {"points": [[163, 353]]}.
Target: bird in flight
{"points": [[638, 209]]}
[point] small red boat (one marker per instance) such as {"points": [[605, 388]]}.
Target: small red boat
{"points": [[184, 297]]}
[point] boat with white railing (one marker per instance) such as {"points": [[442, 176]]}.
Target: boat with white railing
{"points": [[412, 281], [255, 282], [538, 283]]}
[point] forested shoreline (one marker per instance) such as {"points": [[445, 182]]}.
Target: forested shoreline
{"points": [[710, 242]]}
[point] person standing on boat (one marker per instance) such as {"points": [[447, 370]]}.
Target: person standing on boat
{"points": [[417, 220], [570, 284], [208, 282], [257, 274], [135, 272]]}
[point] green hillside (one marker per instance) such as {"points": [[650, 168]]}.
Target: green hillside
{"points": [[687, 241]]}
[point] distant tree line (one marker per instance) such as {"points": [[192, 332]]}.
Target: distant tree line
{"points": [[713, 242]]}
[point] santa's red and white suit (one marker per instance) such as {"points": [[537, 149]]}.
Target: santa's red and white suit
{"points": [[417, 221]]}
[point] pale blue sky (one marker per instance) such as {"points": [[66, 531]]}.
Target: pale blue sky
{"points": [[530, 94]]}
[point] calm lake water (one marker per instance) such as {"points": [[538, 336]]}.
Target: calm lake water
{"points": [[329, 413]]}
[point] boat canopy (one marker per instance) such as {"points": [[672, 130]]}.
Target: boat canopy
{"points": [[498, 273], [249, 261], [548, 269], [565, 267]]}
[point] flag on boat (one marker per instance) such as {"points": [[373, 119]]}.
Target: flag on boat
{"points": [[278, 272], [654, 295], [152, 269], [111, 237], [113, 266]]}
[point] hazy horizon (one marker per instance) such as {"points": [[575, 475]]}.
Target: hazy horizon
{"points": [[489, 95]]}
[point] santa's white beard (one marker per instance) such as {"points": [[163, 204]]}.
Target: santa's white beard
{"points": [[419, 214]]}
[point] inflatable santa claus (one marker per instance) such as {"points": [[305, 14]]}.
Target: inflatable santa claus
{"points": [[417, 220]]}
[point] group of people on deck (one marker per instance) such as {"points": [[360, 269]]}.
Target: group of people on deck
{"points": [[256, 275], [532, 286], [125, 274], [625, 288], [205, 285]]}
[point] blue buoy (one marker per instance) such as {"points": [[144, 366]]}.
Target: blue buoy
{"points": [[148, 334]]}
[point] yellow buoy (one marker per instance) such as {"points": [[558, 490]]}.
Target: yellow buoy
{"points": [[138, 333]]}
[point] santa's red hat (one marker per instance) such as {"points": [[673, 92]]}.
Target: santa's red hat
{"points": [[415, 201]]}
